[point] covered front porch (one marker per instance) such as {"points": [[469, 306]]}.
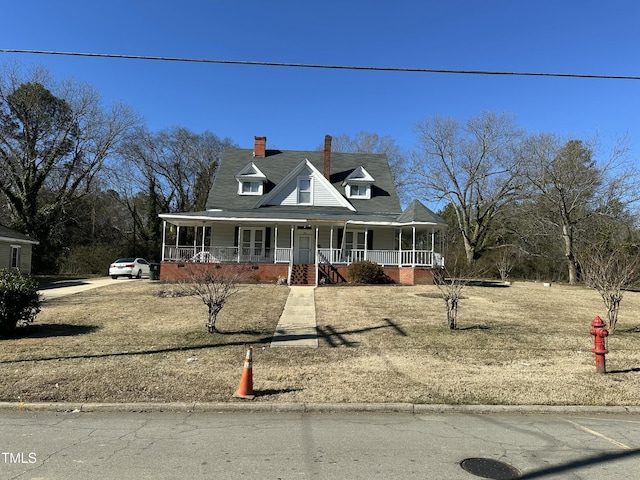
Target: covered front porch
{"points": [[322, 246]]}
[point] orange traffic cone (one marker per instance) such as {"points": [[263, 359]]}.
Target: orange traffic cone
{"points": [[245, 389]]}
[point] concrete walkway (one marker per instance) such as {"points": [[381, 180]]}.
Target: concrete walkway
{"points": [[297, 325], [69, 287]]}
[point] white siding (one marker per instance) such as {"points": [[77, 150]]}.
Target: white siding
{"points": [[5, 255], [324, 238], [223, 235], [321, 195], [25, 256], [284, 236], [286, 196], [384, 239]]}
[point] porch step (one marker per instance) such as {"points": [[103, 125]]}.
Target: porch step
{"points": [[303, 275]]}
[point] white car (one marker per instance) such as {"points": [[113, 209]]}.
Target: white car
{"points": [[129, 267]]}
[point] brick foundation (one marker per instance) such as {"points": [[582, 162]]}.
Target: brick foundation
{"points": [[270, 273], [251, 273], [415, 276]]}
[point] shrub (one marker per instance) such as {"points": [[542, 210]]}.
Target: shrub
{"points": [[19, 301], [366, 271]]}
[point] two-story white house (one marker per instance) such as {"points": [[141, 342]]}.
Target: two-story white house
{"points": [[304, 216]]}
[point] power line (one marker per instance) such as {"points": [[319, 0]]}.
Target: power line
{"points": [[320, 66]]}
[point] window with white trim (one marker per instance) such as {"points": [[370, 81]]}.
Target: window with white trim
{"points": [[359, 191], [250, 188], [305, 186], [354, 240], [253, 242], [15, 256]]}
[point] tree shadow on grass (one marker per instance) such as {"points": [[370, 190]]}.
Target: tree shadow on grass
{"points": [[635, 329], [475, 327], [148, 351], [628, 370], [253, 333], [62, 284], [46, 330], [487, 283], [337, 338]]}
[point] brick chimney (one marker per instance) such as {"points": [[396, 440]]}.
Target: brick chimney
{"points": [[260, 147], [327, 157]]}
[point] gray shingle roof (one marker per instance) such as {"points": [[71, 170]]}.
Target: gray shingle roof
{"points": [[277, 164], [416, 212], [6, 232]]}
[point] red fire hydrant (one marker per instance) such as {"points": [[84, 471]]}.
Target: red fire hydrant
{"points": [[599, 335]]}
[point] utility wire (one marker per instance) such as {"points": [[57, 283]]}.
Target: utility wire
{"points": [[319, 66]]}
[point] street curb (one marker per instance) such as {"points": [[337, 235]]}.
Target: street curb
{"points": [[304, 408]]}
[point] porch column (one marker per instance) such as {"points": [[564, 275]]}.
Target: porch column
{"points": [[331, 246], [400, 247], [316, 256], [203, 232], [239, 241], [366, 231], [164, 237], [291, 249], [413, 259], [177, 241], [343, 246], [433, 245], [275, 243]]}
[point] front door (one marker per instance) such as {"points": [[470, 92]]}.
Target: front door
{"points": [[304, 249]]}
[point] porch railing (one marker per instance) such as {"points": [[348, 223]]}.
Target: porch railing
{"points": [[283, 255], [218, 254]]}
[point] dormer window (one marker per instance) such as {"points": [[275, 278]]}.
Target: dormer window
{"points": [[304, 190], [250, 180], [359, 191], [251, 188], [358, 184]]}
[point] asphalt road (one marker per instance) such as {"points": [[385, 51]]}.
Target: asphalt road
{"points": [[183, 445]]}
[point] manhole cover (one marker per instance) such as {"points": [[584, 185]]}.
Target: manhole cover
{"points": [[489, 468]]}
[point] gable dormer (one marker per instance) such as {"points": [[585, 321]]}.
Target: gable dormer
{"points": [[251, 180], [358, 184], [305, 186]]}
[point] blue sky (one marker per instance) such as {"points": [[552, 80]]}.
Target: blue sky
{"points": [[295, 108]]}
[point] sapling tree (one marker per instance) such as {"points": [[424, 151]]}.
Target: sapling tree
{"points": [[450, 290], [505, 264], [610, 271], [214, 284]]}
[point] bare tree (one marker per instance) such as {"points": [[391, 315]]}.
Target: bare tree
{"points": [[214, 284], [451, 292], [569, 187], [611, 272], [181, 164], [505, 263], [54, 140], [369, 142], [451, 281], [476, 168]]}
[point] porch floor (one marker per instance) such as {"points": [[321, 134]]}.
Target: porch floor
{"points": [[297, 325]]}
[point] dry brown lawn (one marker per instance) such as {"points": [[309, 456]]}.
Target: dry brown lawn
{"points": [[525, 344]]}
